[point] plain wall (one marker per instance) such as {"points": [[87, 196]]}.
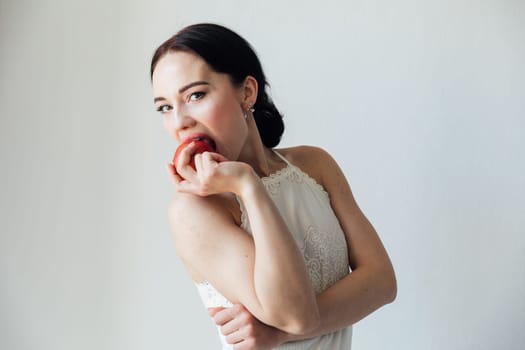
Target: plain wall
{"points": [[421, 102]]}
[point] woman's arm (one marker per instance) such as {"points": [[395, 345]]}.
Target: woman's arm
{"points": [[264, 271], [371, 284], [346, 302]]}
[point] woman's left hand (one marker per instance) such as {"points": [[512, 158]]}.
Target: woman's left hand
{"points": [[243, 330], [209, 173]]}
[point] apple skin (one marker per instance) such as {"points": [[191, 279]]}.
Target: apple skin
{"points": [[201, 146]]}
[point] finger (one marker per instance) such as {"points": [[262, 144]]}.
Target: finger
{"points": [[199, 163], [185, 159], [223, 316], [232, 331], [239, 319], [172, 172], [217, 157], [242, 345], [185, 186], [212, 311], [204, 166], [210, 159], [235, 337]]}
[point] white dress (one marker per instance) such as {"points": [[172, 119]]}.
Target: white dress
{"points": [[305, 207]]}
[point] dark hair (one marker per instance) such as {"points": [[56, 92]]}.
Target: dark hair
{"points": [[227, 52]]}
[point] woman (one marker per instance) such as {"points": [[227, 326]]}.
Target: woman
{"points": [[269, 236]]}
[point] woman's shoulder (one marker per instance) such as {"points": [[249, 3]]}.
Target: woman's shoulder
{"points": [[185, 208], [304, 153], [313, 160]]}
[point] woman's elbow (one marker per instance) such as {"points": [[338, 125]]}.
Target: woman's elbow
{"points": [[388, 285], [304, 324]]}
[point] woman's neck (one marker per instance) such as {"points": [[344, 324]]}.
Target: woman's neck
{"points": [[255, 153]]}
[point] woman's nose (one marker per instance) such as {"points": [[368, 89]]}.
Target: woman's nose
{"points": [[180, 120]]}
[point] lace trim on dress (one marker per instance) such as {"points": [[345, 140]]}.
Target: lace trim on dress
{"points": [[293, 173], [211, 296], [272, 183]]}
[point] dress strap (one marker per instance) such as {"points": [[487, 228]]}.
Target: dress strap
{"points": [[282, 157]]}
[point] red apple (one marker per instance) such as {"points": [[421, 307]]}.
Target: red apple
{"points": [[202, 144]]}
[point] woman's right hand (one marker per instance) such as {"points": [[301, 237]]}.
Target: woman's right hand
{"points": [[213, 173], [245, 332]]}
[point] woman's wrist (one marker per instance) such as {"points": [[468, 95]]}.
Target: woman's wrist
{"points": [[249, 184]]}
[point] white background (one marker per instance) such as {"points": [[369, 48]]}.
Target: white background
{"points": [[421, 102]]}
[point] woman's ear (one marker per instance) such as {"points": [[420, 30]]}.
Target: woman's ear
{"points": [[249, 91]]}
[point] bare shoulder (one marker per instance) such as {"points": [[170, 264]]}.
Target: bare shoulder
{"points": [[198, 223], [314, 161], [187, 211]]}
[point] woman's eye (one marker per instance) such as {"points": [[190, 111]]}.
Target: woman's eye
{"points": [[196, 96], [164, 108]]}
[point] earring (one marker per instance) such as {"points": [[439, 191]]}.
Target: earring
{"points": [[246, 115]]}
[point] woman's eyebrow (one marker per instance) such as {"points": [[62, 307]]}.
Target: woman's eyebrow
{"points": [[190, 85]]}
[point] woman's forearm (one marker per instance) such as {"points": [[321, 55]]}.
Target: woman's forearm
{"points": [[351, 299], [281, 281]]}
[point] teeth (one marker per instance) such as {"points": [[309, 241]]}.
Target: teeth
{"points": [[205, 139]]}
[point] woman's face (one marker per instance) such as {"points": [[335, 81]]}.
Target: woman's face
{"points": [[194, 100]]}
